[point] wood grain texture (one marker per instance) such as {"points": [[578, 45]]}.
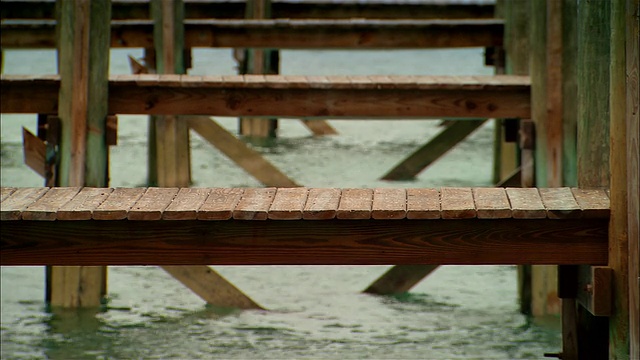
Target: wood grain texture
{"points": [[254, 204], [424, 97], [220, 204], [355, 204], [526, 203], [283, 34], [595, 289], [82, 205], [152, 204], [423, 204], [560, 203], [6, 192], [46, 207], [12, 207], [35, 152], [118, 204], [491, 203], [399, 279], [288, 204], [330, 242], [457, 203], [322, 204], [186, 204], [223, 9], [389, 204], [593, 202]]}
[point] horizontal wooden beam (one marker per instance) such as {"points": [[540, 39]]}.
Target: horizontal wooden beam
{"points": [[330, 242], [233, 9], [289, 96], [281, 34]]}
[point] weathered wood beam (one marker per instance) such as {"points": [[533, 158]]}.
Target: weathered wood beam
{"points": [[124, 10], [282, 96], [433, 150], [282, 34], [399, 279], [241, 154], [329, 242]]}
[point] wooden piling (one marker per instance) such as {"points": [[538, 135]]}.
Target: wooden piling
{"points": [[620, 252], [84, 35], [259, 61], [593, 79], [172, 136]]}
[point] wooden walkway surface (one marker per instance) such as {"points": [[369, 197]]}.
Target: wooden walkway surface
{"points": [[291, 9], [215, 226], [500, 96], [281, 33]]}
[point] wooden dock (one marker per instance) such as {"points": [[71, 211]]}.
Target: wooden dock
{"points": [[171, 226], [280, 33], [289, 96]]}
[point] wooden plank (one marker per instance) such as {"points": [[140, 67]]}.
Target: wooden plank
{"points": [[389, 204], [5, 192], [254, 204], [433, 150], [248, 159], [399, 279], [595, 289], [355, 204], [35, 152], [186, 204], [322, 204], [211, 287], [220, 204], [594, 203], [423, 204], [526, 203], [118, 204], [128, 10], [457, 203], [319, 127], [453, 99], [330, 242], [560, 203], [46, 207], [288, 204], [283, 34], [82, 205], [491, 203], [14, 205], [152, 204]]}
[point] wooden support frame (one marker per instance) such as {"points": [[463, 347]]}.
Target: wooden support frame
{"points": [[283, 34]]}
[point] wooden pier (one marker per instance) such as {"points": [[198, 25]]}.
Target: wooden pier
{"points": [[170, 226]]}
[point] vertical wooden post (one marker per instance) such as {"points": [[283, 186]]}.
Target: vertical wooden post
{"points": [[569, 92], [619, 341], [259, 61], [84, 37], [632, 115], [172, 135], [593, 62], [547, 116]]}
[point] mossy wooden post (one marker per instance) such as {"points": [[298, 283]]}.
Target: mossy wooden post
{"points": [[632, 115], [622, 129], [84, 35], [259, 61], [593, 79], [172, 135]]}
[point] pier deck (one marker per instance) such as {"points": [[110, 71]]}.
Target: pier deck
{"points": [[501, 96], [299, 226]]}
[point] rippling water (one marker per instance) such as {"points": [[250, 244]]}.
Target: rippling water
{"points": [[314, 312]]}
